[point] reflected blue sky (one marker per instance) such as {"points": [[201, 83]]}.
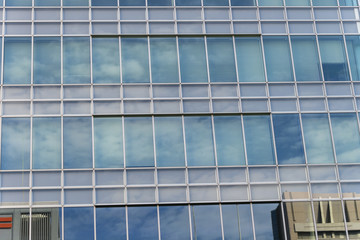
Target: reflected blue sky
{"points": [[46, 143], [77, 142], [142, 222], [169, 142], [106, 60], [79, 223], [265, 219], [199, 141], [15, 143], [237, 221], [353, 48], [206, 222], [288, 139], [132, 2], [174, 222], [18, 3], [229, 140], [188, 2], [47, 2], [110, 223], [216, 2], [160, 2], [75, 2], [103, 2], [243, 2], [108, 142]]}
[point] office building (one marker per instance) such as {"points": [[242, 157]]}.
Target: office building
{"points": [[179, 119]]}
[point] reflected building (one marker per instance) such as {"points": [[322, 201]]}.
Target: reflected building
{"points": [[179, 119]]}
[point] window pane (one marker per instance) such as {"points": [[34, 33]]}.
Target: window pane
{"points": [[160, 2], [266, 221], [353, 48], [103, 2], [250, 59], [258, 138], [15, 143], [18, 3], [135, 60], [192, 60], [76, 60], [75, 2], [243, 2], [317, 138], [216, 2], [278, 60], [169, 142], [288, 139], [108, 143], [188, 2], [164, 64], [333, 58], [47, 2], [174, 222], [199, 141], [17, 61], [78, 223], [132, 2], [229, 140], [306, 58], [221, 59], [139, 136], [270, 2], [237, 221], [106, 60], [142, 223], [77, 142], [348, 2], [46, 143], [47, 60], [110, 223], [346, 137], [324, 2], [206, 222], [297, 3]]}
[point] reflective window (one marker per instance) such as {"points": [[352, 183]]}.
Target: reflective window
{"points": [[188, 2], [278, 60], [324, 2], [317, 138], [142, 223], [229, 140], [237, 221], [243, 2], [164, 64], [174, 222], [346, 137], [110, 223], [192, 60], [353, 48], [169, 142], [270, 2], [76, 60], [17, 60], [75, 2], [77, 142], [348, 2], [206, 222], [249, 59], [135, 60], [297, 3], [216, 2], [47, 60], [160, 2], [108, 142], [139, 136], [47, 2], [15, 143], [306, 58], [78, 223], [46, 143], [106, 60], [266, 217], [199, 141], [104, 2], [221, 59], [288, 139], [18, 3], [132, 2], [333, 58], [299, 213], [258, 138]]}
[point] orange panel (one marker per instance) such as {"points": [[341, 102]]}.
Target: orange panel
{"points": [[5, 219], [5, 225]]}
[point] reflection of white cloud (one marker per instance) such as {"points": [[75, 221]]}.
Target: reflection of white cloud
{"points": [[135, 60], [262, 174]]}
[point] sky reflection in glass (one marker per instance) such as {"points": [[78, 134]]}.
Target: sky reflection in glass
{"points": [[353, 48], [78, 223], [142, 223], [76, 60], [47, 60], [108, 142], [258, 137], [206, 222], [288, 139], [229, 140], [237, 221], [110, 223], [139, 147], [46, 143], [174, 222], [18, 3], [199, 141], [192, 59], [164, 64], [106, 60], [17, 60], [169, 142], [77, 142], [15, 143], [265, 219]]}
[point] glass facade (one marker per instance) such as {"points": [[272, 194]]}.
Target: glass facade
{"points": [[179, 119]]}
